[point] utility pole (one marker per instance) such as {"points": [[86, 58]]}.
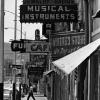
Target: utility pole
{"points": [[1, 47], [14, 74]]}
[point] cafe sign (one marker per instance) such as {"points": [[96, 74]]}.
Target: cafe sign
{"points": [[37, 47], [48, 13]]}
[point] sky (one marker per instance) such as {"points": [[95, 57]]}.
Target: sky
{"points": [[9, 23]]}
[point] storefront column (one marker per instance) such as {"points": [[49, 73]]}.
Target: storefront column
{"points": [[99, 75], [94, 77]]}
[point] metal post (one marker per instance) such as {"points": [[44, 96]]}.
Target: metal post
{"points": [[15, 29], [87, 30], [14, 83], [21, 31], [50, 48], [89, 61], [15, 19], [1, 47], [21, 69]]}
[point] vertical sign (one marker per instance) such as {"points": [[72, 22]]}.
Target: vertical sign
{"points": [[48, 28]]}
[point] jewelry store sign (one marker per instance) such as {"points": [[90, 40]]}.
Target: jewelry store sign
{"points": [[38, 60], [48, 13]]}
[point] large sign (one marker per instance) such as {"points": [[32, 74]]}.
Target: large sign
{"points": [[63, 44], [37, 47], [48, 13]]}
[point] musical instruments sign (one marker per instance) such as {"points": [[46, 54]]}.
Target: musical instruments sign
{"points": [[48, 13]]}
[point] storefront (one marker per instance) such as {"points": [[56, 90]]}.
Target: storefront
{"points": [[86, 60]]}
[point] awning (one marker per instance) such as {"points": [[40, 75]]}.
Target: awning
{"points": [[96, 32], [97, 14], [68, 63], [48, 72]]}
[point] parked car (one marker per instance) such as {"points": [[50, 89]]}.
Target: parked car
{"points": [[8, 87], [7, 94]]}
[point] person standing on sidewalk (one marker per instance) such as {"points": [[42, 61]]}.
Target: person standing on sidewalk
{"points": [[30, 94]]}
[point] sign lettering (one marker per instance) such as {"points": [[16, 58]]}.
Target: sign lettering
{"points": [[47, 1], [48, 13], [17, 45], [48, 8], [48, 28], [37, 47], [65, 44], [35, 70], [38, 60]]}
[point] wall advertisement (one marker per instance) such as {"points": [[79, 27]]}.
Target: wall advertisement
{"points": [[63, 44]]}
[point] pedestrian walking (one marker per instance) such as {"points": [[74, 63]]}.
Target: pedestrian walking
{"points": [[17, 95], [30, 94]]}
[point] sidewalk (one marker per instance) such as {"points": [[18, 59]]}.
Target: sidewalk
{"points": [[37, 97]]}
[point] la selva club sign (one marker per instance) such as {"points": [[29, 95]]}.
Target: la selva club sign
{"points": [[48, 13]]}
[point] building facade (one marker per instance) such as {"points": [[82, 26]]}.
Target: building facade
{"points": [[83, 82]]}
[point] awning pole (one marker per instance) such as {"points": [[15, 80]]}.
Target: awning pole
{"points": [[89, 79], [89, 40], [99, 76]]}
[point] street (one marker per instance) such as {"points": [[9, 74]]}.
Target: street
{"points": [[37, 97]]}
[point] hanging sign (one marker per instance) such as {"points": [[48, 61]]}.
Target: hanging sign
{"points": [[17, 45]]}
